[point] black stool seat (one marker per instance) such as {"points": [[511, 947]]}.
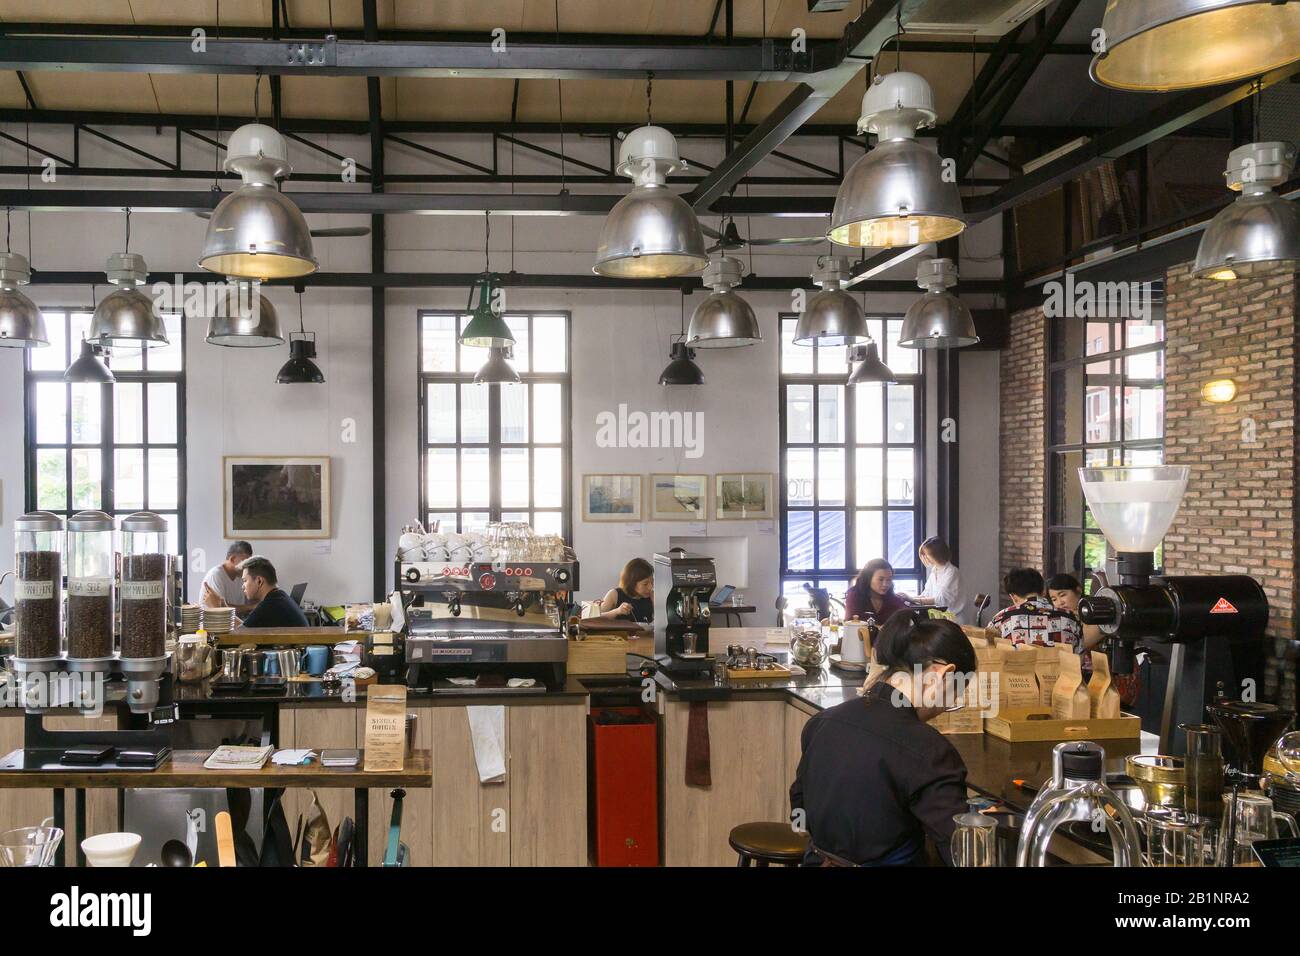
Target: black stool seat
{"points": [[763, 844]]}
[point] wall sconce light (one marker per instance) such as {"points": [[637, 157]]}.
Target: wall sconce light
{"points": [[1219, 391]]}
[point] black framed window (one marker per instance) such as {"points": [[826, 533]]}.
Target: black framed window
{"points": [[496, 452], [118, 448], [852, 468], [1106, 406]]}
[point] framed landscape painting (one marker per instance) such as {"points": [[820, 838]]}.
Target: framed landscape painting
{"points": [[679, 497], [611, 497], [276, 498], [743, 497]]}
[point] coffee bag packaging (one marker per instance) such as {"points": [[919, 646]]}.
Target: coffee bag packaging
{"points": [[1047, 667], [1070, 700], [1017, 682], [1103, 697]]}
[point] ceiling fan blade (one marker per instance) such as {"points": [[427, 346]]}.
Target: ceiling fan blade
{"points": [[340, 232], [711, 233], [789, 241]]}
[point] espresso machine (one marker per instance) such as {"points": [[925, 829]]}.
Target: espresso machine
{"points": [[683, 583], [1208, 627]]}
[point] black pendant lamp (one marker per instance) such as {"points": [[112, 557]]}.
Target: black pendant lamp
{"points": [[681, 368], [301, 369], [89, 367]]}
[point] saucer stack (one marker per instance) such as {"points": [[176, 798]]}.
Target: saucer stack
{"points": [[191, 618], [218, 621]]}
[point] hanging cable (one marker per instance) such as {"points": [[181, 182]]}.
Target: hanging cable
{"points": [[216, 146], [649, 91], [559, 93], [8, 247], [257, 98], [128, 230]]}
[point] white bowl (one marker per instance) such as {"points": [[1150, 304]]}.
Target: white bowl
{"points": [[111, 849]]}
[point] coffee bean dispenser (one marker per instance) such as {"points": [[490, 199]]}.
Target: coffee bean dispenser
{"points": [[142, 598], [91, 560]]}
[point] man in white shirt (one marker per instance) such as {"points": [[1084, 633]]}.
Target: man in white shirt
{"points": [[223, 584], [943, 583]]}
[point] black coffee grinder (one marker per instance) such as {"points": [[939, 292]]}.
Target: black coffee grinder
{"points": [[1198, 619], [683, 584]]}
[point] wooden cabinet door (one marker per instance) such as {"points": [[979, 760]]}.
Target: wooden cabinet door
{"points": [[548, 784], [470, 820]]}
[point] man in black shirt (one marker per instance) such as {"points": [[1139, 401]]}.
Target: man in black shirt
{"points": [[274, 607]]}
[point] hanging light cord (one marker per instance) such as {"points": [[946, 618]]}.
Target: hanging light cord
{"points": [[8, 247], [216, 146], [302, 329], [487, 242], [559, 93], [127, 248], [649, 92]]}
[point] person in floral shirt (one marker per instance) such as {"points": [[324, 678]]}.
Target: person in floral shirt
{"points": [[1031, 618]]}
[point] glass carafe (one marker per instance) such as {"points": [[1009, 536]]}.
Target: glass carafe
{"points": [[975, 841], [1256, 819], [1203, 769], [1175, 838]]}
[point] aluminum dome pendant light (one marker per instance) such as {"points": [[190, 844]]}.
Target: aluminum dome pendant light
{"points": [[937, 320], [497, 370], [1181, 44], [301, 369], [831, 316], [1259, 233], [651, 233], [89, 367], [870, 368], [486, 329], [257, 232], [896, 195], [21, 322], [723, 320], [127, 318], [681, 368], [244, 318]]}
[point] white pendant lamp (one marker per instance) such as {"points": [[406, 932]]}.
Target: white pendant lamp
{"points": [[21, 322], [896, 195], [1181, 44], [651, 233], [723, 320], [937, 320], [832, 316], [257, 232], [127, 318], [1259, 234], [869, 367]]}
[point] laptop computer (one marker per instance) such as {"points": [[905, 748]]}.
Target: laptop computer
{"points": [[298, 591], [723, 595]]}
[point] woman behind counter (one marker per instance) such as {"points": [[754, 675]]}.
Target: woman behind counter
{"points": [[872, 593], [633, 599], [875, 780], [943, 582]]}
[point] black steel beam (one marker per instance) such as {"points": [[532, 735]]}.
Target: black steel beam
{"points": [[969, 107], [378, 327]]}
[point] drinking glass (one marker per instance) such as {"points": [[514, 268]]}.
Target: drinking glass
{"points": [[975, 841], [1256, 819], [30, 846]]}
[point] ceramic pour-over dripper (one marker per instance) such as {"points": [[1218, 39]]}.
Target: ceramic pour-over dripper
{"points": [[1134, 507]]}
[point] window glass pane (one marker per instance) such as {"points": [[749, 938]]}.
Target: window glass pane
{"points": [[446, 521], [830, 541], [52, 357], [164, 479], [51, 479], [830, 413], [548, 522], [902, 478], [51, 413], [169, 357], [514, 478], [474, 414], [1098, 417], [162, 413], [1097, 338], [550, 343], [869, 539], [438, 343], [902, 414], [830, 476], [1145, 368], [128, 479], [548, 419], [870, 476], [440, 478], [128, 421], [471, 359], [440, 413], [548, 478], [1144, 413], [1144, 457], [473, 521], [798, 414], [86, 413], [1141, 332], [901, 361], [832, 360], [514, 413], [902, 539], [80, 322], [126, 359], [799, 539], [799, 476], [474, 489], [869, 415], [519, 328], [515, 516], [87, 480], [795, 359]]}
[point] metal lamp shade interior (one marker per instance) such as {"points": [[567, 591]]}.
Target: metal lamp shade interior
{"points": [[246, 321], [723, 320], [126, 318], [832, 317], [651, 233], [938, 320], [485, 329], [88, 367], [258, 233], [896, 196], [871, 369], [496, 370], [21, 322], [682, 370], [301, 369], [1182, 44], [1256, 235]]}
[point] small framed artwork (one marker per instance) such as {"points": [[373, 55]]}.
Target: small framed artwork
{"points": [[743, 497], [679, 497], [611, 498], [276, 498]]}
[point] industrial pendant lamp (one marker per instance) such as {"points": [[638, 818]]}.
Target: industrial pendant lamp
{"points": [[937, 320], [486, 329], [652, 233], [127, 318], [723, 320], [301, 369], [497, 370], [896, 195], [1259, 234], [1181, 44], [21, 322], [681, 368], [89, 367], [832, 316], [257, 232], [244, 318], [869, 367]]}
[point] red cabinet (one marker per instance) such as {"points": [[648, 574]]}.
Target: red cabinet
{"points": [[624, 797]]}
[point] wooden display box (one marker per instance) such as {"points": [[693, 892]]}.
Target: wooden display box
{"points": [[598, 655], [1020, 725]]}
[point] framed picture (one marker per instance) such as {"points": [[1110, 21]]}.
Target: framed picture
{"points": [[277, 498], [679, 497], [743, 497], [611, 498]]}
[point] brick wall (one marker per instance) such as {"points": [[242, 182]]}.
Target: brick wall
{"points": [[1020, 442], [1238, 516]]}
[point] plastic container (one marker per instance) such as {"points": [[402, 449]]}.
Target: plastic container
{"points": [[143, 590], [90, 586], [38, 588]]}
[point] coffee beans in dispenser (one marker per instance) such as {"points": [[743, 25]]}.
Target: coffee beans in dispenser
{"points": [[90, 591], [143, 598], [38, 588]]}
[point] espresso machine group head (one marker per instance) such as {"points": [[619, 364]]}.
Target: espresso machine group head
{"points": [[683, 585], [1198, 617]]}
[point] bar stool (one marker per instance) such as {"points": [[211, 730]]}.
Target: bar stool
{"points": [[763, 844]]}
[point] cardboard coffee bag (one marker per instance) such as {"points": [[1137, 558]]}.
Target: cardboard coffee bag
{"points": [[1070, 700], [1017, 682], [1047, 667], [1103, 697]]}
